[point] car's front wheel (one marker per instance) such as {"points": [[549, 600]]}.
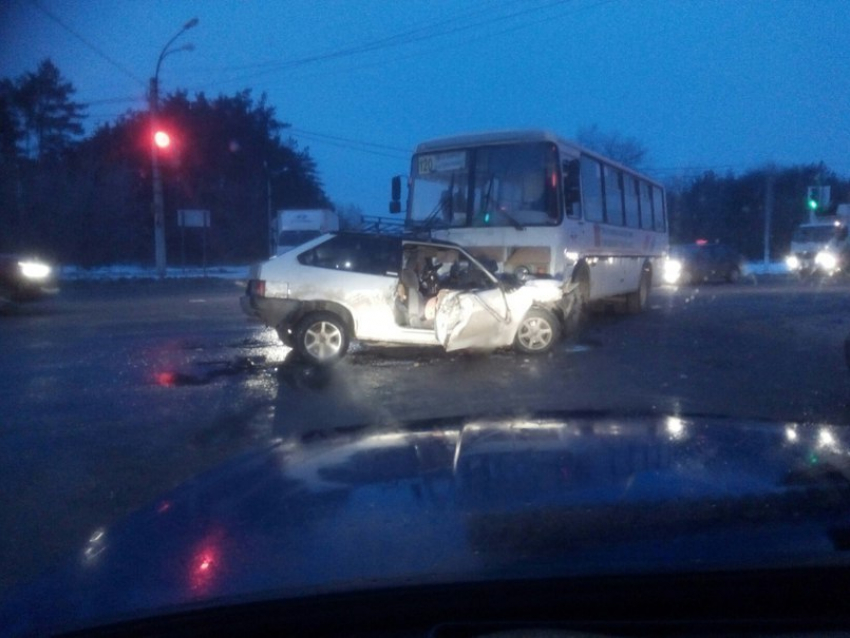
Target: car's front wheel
{"points": [[538, 332], [321, 338]]}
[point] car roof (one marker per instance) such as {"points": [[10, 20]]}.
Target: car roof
{"points": [[403, 239]]}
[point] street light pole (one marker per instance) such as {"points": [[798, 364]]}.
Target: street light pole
{"points": [[158, 206], [273, 229]]}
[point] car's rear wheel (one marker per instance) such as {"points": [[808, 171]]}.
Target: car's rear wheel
{"points": [[321, 338], [538, 332]]}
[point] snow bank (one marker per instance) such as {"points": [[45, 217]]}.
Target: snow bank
{"points": [[760, 268], [128, 271]]}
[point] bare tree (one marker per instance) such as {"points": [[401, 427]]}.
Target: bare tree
{"points": [[626, 150]]}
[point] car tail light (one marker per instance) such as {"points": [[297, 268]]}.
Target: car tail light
{"points": [[257, 287]]}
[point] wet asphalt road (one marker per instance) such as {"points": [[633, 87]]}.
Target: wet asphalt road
{"points": [[112, 393]]}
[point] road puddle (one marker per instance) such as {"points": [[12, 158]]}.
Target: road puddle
{"points": [[212, 371]]}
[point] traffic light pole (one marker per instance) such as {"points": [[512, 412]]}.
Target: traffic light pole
{"points": [[156, 176], [158, 206], [769, 199]]}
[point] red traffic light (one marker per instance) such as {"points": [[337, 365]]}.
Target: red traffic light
{"points": [[162, 139]]}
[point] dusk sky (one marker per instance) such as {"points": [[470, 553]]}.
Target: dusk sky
{"points": [[727, 85]]}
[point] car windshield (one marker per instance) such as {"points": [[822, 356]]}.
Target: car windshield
{"points": [[687, 251], [813, 234], [303, 300]]}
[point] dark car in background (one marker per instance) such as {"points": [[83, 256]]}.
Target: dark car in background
{"points": [[25, 279], [702, 261]]}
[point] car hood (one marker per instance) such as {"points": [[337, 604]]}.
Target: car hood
{"points": [[463, 500]]}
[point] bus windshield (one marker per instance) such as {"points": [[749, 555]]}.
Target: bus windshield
{"points": [[509, 185]]}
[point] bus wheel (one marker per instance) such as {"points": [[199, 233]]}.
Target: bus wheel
{"points": [[636, 301]]}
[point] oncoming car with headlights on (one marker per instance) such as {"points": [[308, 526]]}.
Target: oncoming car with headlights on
{"points": [[392, 290], [834, 257], [25, 279], [702, 262]]}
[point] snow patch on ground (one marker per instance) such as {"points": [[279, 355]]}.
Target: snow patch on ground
{"points": [[129, 271], [760, 268]]}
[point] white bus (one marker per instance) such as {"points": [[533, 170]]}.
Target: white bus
{"points": [[539, 205]]}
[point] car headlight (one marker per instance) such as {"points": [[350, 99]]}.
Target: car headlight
{"points": [[672, 270], [34, 269], [826, 260], [793, 262]]}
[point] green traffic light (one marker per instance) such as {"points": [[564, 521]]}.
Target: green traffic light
{"points": [[813, 204]]}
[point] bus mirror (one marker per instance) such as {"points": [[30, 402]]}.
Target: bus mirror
{"points": [[395, 201]]}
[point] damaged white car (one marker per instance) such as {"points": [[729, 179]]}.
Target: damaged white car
{"points": [[393, 290]]}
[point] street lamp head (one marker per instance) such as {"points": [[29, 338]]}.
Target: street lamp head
{"points": [[192, 23]]}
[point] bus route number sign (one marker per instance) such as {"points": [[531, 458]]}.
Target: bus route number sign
{"points": [[441, 162]]}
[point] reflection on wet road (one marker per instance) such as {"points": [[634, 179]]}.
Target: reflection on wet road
{"points": [[114, 394]]}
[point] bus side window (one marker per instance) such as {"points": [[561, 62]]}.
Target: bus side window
{"points": [[613, 196], [645, 200], [631, 201], [591, 190], [658, 209], [572, 190]]}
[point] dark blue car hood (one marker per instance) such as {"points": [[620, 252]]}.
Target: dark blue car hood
{"points": [[461, 501]]}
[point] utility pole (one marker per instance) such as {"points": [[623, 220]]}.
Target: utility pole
{"points": [[769, 198], [156, 176], [158, 206], [269, 218], [272, 221]]}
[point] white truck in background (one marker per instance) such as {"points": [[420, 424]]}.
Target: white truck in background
{"points": [[821, 244], [298, 225]]}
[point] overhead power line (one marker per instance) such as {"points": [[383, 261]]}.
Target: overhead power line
{"points": [[413, 55], [89, 44], [400, 39], [336, 138], [686, 169], [363, 46], [352, 144]]}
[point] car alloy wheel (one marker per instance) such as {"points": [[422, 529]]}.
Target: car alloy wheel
{"points": [[321, 338], [538, 331]]}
